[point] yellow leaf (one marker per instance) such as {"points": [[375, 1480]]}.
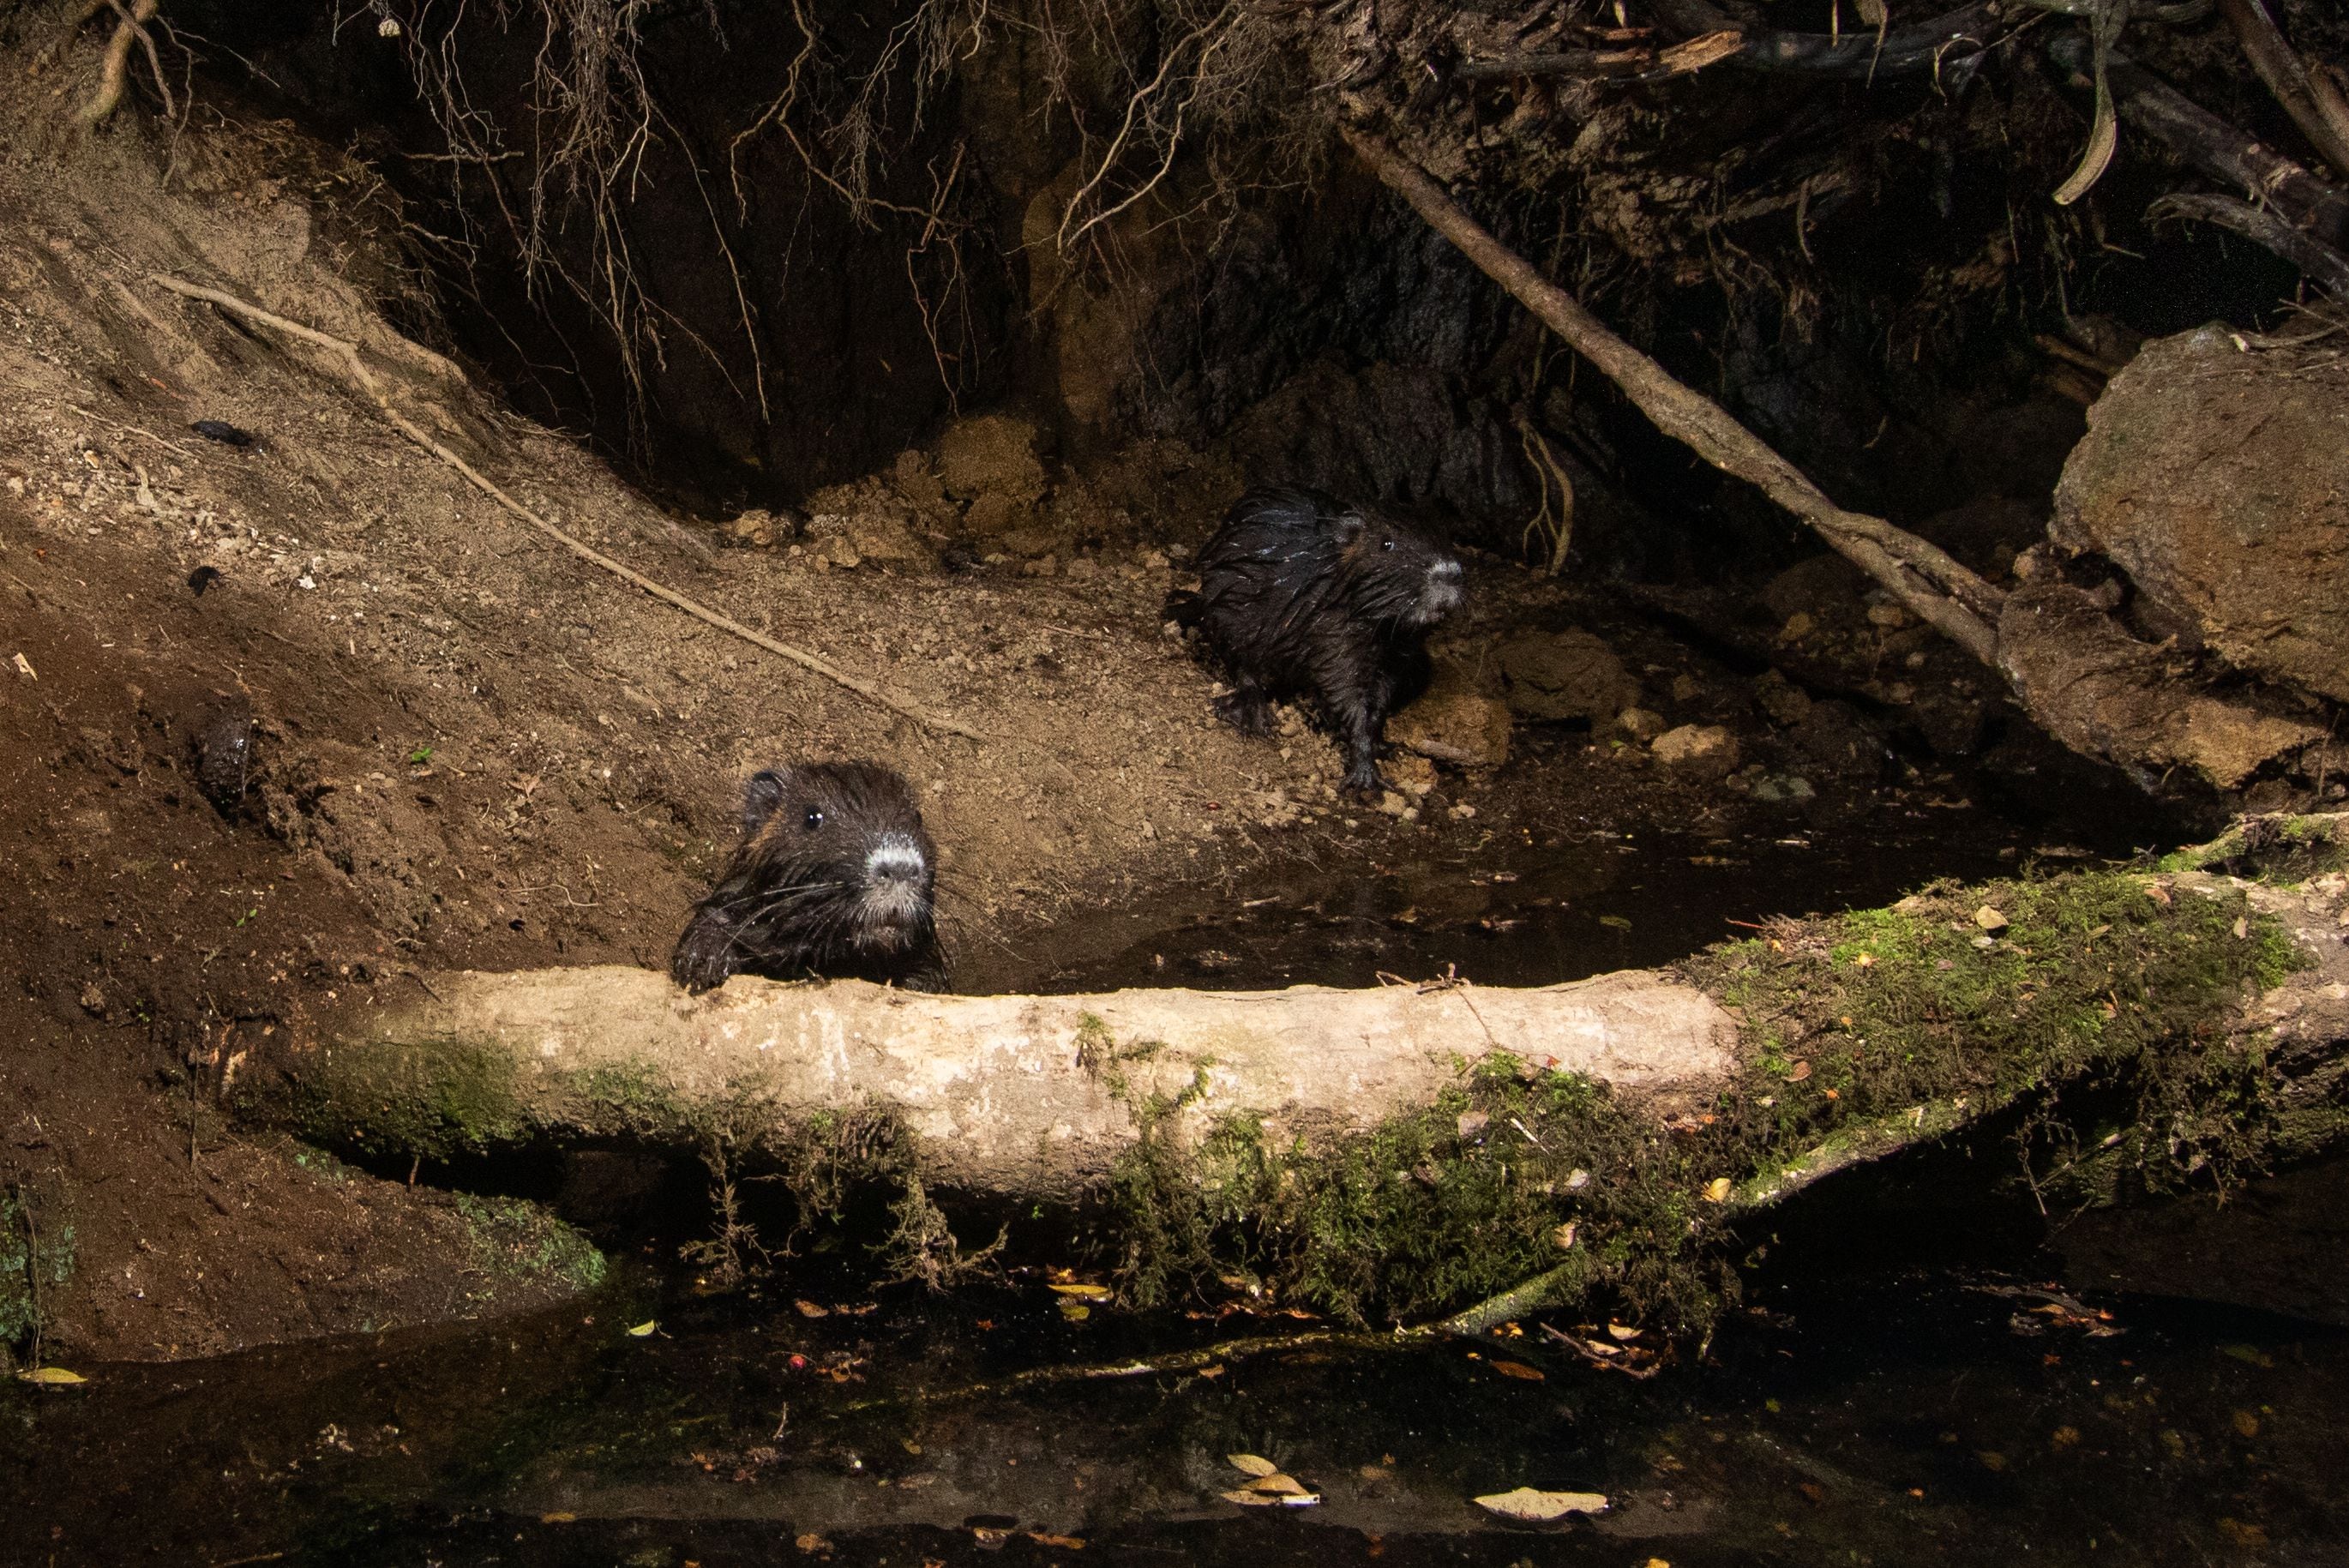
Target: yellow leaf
{"points": [[54, 1376], [1277, 1484], [1252, 1464], [1075, 1311], [1089, 1292], [1717, 1190], [1539, 1506], [810, 1309], [1272, 1500], [644, 1330], [1519, 1370], [558, 1518]]}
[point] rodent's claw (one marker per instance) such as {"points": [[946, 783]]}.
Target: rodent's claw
{"points": [[700, 963]]}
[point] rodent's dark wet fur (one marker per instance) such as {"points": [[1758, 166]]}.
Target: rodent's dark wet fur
{"points": [[835, 878], [1302, 595]]}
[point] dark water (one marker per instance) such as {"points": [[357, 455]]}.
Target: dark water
{"points": [[1913, 1378], [1866, 1417], [1530, 910]]}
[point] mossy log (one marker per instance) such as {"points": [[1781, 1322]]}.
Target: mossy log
{"points": [[1414, 1147]]}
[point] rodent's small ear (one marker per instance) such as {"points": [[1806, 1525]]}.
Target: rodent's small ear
{"points": [[760, 796], [1351, 525]]}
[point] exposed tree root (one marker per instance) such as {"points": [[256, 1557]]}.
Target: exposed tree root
{"points": [[1932, 44], [1943, 594], [2308, 96], [2214, 148], [364, 380], [2325, 266]]}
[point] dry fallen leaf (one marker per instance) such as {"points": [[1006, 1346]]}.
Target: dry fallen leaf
{"points": [[1272, 1499], [558, 1516], [644, 1330], [1065, 1542], [1519, 1370], [1254, 1464], [1527, 1503], [1276, 1484], [1717, 1190], [54, 1376], [810, 1309], [1089, 1292]]}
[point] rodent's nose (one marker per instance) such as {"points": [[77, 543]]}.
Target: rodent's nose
{"points": [[896, 858], [1446, 571]]}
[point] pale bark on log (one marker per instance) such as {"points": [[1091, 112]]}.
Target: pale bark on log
{"points": [[1039, 1097], [1035, 1096]]}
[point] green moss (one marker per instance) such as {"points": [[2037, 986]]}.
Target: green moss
{"points": [[37, 1253], [2280, 850], [431, 1101], [514, 1239], [1861, 1032]]}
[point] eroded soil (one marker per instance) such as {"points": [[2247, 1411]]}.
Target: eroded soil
{"points": [[469, 748]]}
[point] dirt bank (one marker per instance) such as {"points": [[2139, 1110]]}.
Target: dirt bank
{"points": [[470, 749]]}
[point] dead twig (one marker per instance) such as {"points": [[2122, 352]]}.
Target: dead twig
{"points": [[2326, 266], [348, 354], [1937, 588], [2214, 148], [2309, 95]]}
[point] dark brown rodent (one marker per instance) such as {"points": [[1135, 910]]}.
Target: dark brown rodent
{"points": [[833, 879], [1302, 595]]}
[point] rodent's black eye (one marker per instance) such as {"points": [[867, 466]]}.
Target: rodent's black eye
{"points": [[1387, 544], [813, 819]]}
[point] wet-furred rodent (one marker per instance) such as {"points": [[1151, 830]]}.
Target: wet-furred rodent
{"points": [[1303, 595], [834, 878]]}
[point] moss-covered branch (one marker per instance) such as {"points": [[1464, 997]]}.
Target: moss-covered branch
{"points": [[1400, 1153]]}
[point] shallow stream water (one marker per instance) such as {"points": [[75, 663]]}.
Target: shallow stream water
{"points": [[1917, 1379]]}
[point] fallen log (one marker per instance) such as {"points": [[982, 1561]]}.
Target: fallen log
{"points": [[1407, 1149]]}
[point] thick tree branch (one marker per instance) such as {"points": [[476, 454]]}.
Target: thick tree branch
{"points": [[2325, 265], [2314, 104], [2212, 147], [1938, 589]]}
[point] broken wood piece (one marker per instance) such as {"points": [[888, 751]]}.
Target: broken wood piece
{"points": [[2104, 694], [1932, 44], [1939, 591]]}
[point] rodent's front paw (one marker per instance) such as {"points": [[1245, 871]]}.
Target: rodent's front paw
{"points": [[700, 963]]}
